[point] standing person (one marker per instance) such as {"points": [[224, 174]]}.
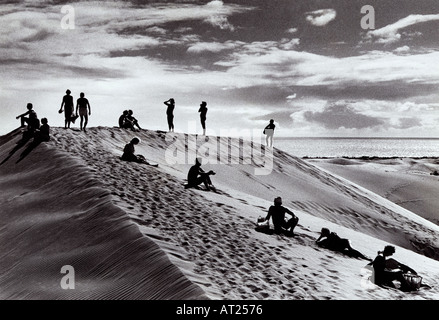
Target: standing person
{"points": [[32, 120], [203, 112], [82, 104], [170, 113], [277, 213], [269, 132], [68, 104]]}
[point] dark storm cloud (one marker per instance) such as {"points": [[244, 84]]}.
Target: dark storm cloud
{"points": [[342, 116]]}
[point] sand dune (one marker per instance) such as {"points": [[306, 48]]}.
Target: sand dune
{"points": [[132, 231]]}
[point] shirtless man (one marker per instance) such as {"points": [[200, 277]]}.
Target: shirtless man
{"points": [[82, 104]]}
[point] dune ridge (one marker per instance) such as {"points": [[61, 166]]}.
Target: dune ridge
{"points": [[212, 249], [55, 213]]}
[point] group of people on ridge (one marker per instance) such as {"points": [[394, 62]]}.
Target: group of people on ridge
{"points": [[39, 130]]}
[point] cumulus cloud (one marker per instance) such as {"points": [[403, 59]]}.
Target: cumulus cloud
{"points": [[391, 33], [342, 116], [321, 17], [218, 14]]}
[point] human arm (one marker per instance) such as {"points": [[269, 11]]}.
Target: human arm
{"points": [[269, 214], [22, 115], [62, 104], [89, 108]]}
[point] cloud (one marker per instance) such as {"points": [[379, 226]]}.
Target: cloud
{"points": [[390, 33], [322, 17], [218, 16], [407, 123], [213, 46], [338, 116]]}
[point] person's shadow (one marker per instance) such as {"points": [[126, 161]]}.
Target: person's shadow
{"points": [[21, 143]]}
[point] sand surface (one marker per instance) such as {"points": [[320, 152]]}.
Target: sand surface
{"points": [[132, 231]]}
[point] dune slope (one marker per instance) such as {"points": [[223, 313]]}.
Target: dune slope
{"points": [[133, 231]]}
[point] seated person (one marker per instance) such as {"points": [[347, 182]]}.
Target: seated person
{"points": [[277, 213], [129, 155], [122, 119], [131, 121], [196, 176], [331, 241], [388, 270], [43, 133], [32, 120]]}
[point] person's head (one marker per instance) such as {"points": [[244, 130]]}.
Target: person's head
{"points": [[44, 121], [130, 112], [82, 94], [135, 140], [203, 104], [388, 251], [271, 121], [68, 91], [325, 232], [198, 162], [172, 100], [278, 201], [29, 106], [125, 112]]}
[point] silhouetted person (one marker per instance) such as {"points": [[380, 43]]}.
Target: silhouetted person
{"points": [[82, 104], [269, 132], [122, 119], [69, 106], [43, 133], [277, 213], [197, 175], [383, 274], [203, 112], [331, 240], [132, 121], [129, 153], [33, 123], [170, 113], [32, 119]]}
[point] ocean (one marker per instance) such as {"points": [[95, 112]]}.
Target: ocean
{"points": [[359, 147]]}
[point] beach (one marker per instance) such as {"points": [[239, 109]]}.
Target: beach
{"points": [[132, 231]]}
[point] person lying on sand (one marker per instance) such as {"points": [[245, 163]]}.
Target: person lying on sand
{"points": [[388, 270], [129, 153], [331, 240], [277, 213], [197, 175]]}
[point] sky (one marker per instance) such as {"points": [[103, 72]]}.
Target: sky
{"points": [[319, 68]]}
